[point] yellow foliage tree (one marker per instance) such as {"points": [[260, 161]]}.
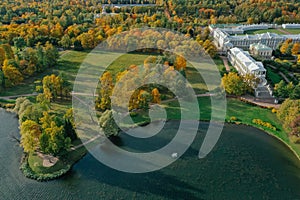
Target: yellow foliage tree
{"points": [[296, 48], [180, 63], [156, 96]]}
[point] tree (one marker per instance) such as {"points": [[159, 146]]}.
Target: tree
{"points": [[9, 54], [87, 40], [285, 45], [295, 126], [56, 138], [30, 133], [288, 112], [296, 48], [280, 90], [69, 130], [180, 63], [2, 56], [45, 143], [12, 74], [78, 45], [233, 84], [156, 96], [55, 86], [19, 42], [108, 124], [296, 92], [65, 42], [106, 89], [250, 20], [50, 56], [209, 48]]}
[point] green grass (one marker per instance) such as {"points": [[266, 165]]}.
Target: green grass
{"points": [[36, 164], [277, 31], [293, 31], [68, 64], [65, 161], [125, 61], [219, 63], [274, 77]]}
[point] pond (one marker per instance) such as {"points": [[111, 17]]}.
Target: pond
{"points": [[245, 164]]}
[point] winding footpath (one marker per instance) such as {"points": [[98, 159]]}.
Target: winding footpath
{"points": [[17, 96]]}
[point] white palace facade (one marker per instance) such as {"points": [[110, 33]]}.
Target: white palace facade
{"points": [[245, 64], [224, 39], [231, 41]]}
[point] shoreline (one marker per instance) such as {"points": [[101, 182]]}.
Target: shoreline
{"points": [[203, 121], [272, 135], [24, 165]]}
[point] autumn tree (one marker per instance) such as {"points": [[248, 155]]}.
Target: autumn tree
{"points": [[55, 86], [9, 54], [65, 42], [288, 112], [12, 75], [106, 88], [155, 96], [2, 56], [180, 63], [296, 48], [285, 46], [30, 132], [233, 84], [19, 42], [50, 55]]}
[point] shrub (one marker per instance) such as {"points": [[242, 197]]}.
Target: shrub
{"points": [[274, 110], [264, 124], [9, 106], [233, 118], [133, 114]]}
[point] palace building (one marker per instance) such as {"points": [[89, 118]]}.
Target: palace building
{"points": [[245, 64], [260, 51], [225, 40]]}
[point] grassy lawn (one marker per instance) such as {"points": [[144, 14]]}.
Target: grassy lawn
{"points": [[277, 31], [253, 32], [64, 162], [238, 109], [293, 31], [274, 77], [36, 164], [125, 61], [68, 64]]}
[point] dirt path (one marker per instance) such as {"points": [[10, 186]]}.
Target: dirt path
{"points": [[17, 96], [283, 31], [265, 103], [64, 53], [225, 61], [48, 160], [284, 77], [85, 143]]}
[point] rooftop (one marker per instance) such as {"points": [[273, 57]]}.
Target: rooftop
{"points": [[247, 59], [260, 46]]}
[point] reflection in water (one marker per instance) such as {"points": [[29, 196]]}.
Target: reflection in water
{"points": [[246, 163]]}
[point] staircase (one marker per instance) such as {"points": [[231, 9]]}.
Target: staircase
{"points": [[263, 92]]}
